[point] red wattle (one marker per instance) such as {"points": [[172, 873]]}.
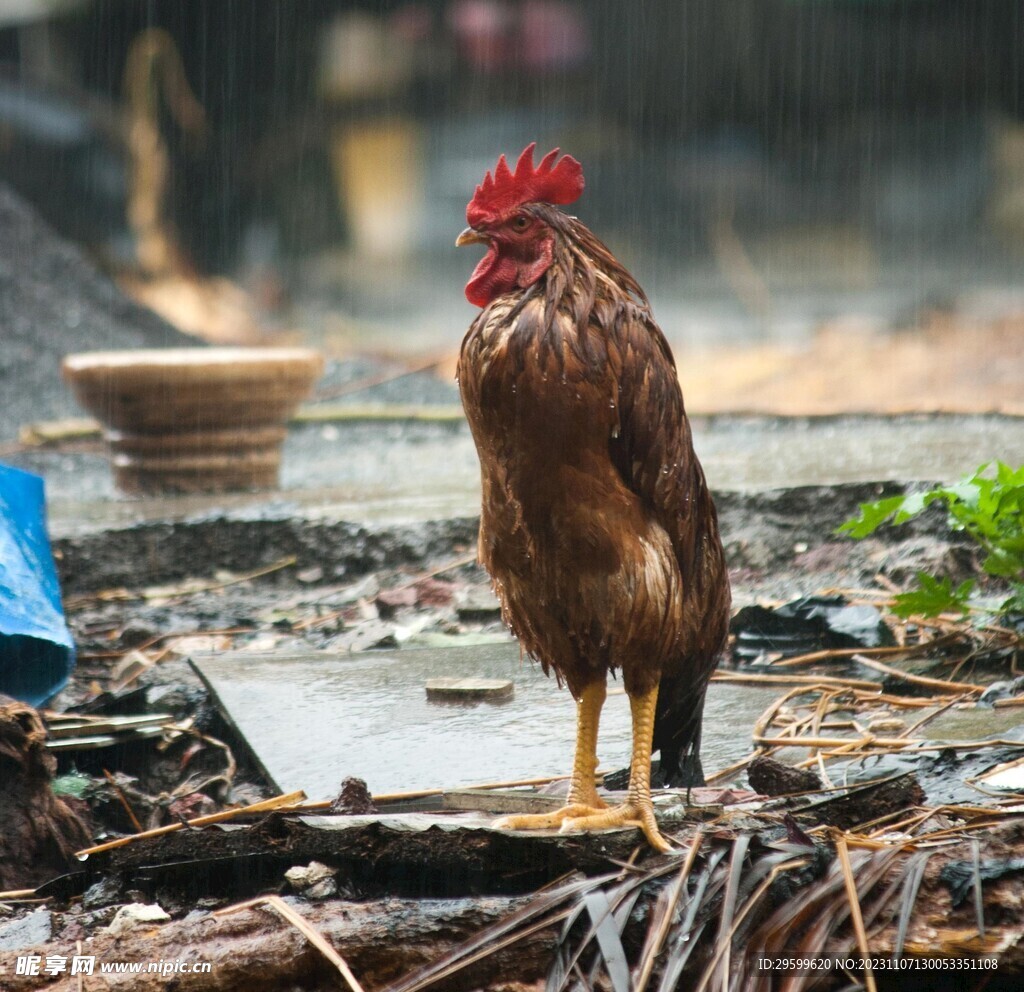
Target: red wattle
{"points": [[492, 276]]}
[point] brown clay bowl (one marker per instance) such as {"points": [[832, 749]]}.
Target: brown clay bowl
{"points": [[194, 419]]}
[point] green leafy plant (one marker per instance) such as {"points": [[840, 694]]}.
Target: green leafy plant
{"points": [[988, 507]]}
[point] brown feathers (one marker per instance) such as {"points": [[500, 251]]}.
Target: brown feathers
{"points": [[597, 525]]}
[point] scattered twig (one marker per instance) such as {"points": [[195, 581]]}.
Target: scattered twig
{"points": [[940, 684], [119, 792], [175, 635], [754, 678], [188, 590], [433, 413], [831, 654], [467, 559], [653, 949], [310, 932], [19, 895], [264, 806], [928, 717], [395, 797], [381, 379], [856, 917]]}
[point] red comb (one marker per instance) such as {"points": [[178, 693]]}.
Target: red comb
{"points": [[501, 193]]}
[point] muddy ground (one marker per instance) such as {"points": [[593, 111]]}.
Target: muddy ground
{"points": [[135, 639]]}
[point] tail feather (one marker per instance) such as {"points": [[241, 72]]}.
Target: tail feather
{"points": [[678, 723]]}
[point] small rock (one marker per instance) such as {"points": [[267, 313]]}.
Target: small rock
{"points": [[366, 636], [354, 798], [134, 915], [479, 605], [29, 931], [105, 892], [98, 918], [326, 889], [310, 575], [314, 881], [390, 600], [887, 725], [468, 690], [769, 777]]}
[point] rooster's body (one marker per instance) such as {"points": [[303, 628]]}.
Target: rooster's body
{"points": [[597, 525]]}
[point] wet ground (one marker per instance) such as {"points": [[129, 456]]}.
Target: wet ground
{"points": [[374, 471], [369, 715]]}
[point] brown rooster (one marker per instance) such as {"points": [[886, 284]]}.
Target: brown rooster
{"points": [[597, 525]]}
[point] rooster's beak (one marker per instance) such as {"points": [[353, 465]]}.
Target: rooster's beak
{"points": [[470, 236]]}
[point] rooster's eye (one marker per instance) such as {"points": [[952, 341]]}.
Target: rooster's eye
{"points": [[521, 222]]}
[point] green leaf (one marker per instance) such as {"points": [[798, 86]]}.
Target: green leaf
{"points": [[872, 516], [1007, 476], [933, 596], [988, 506]]}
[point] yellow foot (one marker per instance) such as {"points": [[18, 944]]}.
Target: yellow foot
{"points": [[629, 814], [546, 821]]}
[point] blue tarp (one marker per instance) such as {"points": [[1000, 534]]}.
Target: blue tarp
{"points": [[37, 653]]}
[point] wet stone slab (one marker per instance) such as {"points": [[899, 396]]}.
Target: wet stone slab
{"points": [[314, 718]]}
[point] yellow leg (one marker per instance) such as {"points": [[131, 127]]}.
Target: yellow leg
{"points": [[637, 810], [583, 797]]}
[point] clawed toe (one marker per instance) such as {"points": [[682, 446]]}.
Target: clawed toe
{"points": [[626, 815], [546, 821]]}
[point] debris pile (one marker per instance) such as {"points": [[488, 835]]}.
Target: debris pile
{"points": [[877, 821]]}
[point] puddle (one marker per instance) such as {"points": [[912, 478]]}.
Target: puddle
{"points": [[313, 719], [975, 724]]}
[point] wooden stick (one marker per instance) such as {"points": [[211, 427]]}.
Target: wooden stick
{"points": [[755, 678], [964, 687], [830, 742], [733, 768], [433, 413], [856, 918], [124, 800], [223, 584], [17, 895], [931, 716], [890, 652], [307, 929], [882, 742], [264, 806], [425, 364], [169, 636], [393, 797]]}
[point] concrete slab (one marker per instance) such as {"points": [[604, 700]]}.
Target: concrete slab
{"points": [[314, 718]]}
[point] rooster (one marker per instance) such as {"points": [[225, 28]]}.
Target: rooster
{"points": [[597, 526]]}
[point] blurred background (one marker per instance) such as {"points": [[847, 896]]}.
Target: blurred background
{"points": [[823, 198]]}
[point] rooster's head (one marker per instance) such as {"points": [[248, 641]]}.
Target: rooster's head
{"points": [[519, 240]]}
